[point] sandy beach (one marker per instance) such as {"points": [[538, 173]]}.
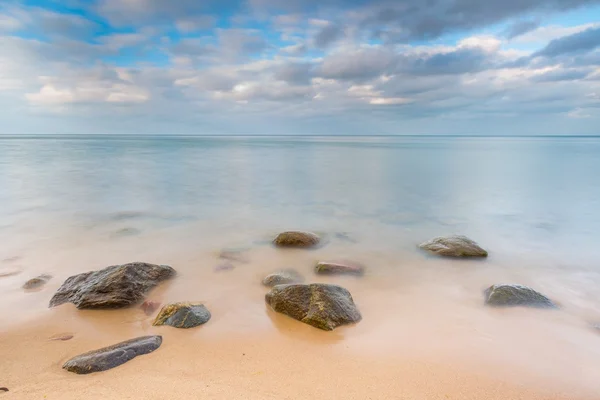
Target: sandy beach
{"points": [[425, 333]]}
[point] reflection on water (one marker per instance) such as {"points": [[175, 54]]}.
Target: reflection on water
{"points": [[69, 205]]}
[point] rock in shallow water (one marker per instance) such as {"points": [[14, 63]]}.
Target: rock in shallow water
{"points": [[112, 356], [116, 286], [339, 268], [296, 239], [182, 315], [37, 282], [454, 246], [516, 295], [282, 277], [322, 306]]}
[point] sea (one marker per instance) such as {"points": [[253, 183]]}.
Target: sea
{"points": [[75, 203]]}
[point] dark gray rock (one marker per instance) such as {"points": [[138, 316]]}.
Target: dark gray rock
{"points": [[116, 286], [516, 295], [282, 277], [112, 356], [37, 282], [322, 306], [182, 315], [296, 239], [339, 268], [454, 246]]}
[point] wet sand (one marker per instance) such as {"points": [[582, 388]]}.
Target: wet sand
{"points": [[425, 333]]}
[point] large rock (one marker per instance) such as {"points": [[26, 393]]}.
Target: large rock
{"points": [[285, 276], [296, 239], [339, 268], [516, 295], [112, 287], [454, 246], [182, 315], [112, 356], [323, 306]]}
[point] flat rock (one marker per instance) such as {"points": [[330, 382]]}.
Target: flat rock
{"points": [[296, 239], [37, 282], [61, 337], [454, 246], [116, 286], [339, 268], [234, 255], [516, 295], [285, 276], [112, 356], [182, 315], [225, 266], [322, 306], [149, 306]]}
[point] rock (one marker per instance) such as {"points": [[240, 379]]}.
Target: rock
{"points": [[454, 246], [322, 306], [116, 286], [126, 232], [516, 295], [3, 389], [226, 266], [149, 306], [182, 315], [112, 356], [344, 237], [282, 277], [296, 239], [37, 282], [234, 255], [62, 336], [334, 268]]}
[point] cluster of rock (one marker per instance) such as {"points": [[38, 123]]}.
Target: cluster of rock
{"points": [[324, 306]]}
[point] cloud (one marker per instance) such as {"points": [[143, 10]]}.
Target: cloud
{"points": [[520, 27], [327, 35], [195, 23], [561, 75], [298, 73], [587, 40]]}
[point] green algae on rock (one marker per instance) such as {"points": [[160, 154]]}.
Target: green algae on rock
{"points": [[320, 305], [112, 356], [339, 268], [454, 246], [116, 286], [182, 315], [285, 276], [516, 295], [296, 239]]}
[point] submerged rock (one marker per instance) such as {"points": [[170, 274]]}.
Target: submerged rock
{"points": [[62, 337], [516, 295], [182, 315], [234, 255], [296, 239], [226, 266], [112, 356], [339, 268], [282, 277], [454, 246], [322, 306], [149, 306], [116, 286], [37, 282]]}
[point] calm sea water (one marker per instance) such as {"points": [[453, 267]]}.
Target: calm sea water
{"points": [[518, 195], [74, 204]]}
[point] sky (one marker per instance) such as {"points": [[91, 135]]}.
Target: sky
{"points": [[321, 67]]}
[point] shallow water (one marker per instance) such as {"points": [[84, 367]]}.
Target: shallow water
{"points": [[73, 204]]}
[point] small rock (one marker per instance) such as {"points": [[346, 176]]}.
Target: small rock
{"points": [[516, 295], [282, 277], [322, 306], [182, 315], [62, 336], [3, 389], [35, 283], [112, 356], [296, 239], [454, 246], [226, 266], [126, 232], [334, 268], [116, 286], [149, 306], [234, 255], [344, 237]]}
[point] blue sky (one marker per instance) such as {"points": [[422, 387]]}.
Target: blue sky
{"points": [[300, 67]]}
